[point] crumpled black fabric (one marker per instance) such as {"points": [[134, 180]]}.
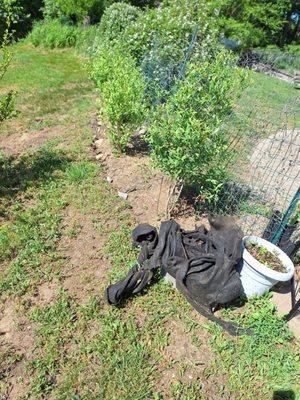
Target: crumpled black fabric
{"points": [[141, 273], [203, 263]]}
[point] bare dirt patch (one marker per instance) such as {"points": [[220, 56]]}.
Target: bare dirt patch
{"points": [[47, 293], [182, 349], [21, 141], [14, 329], [81, 244], [197, 359], [146, 189], [17, 340], [17, 383]]}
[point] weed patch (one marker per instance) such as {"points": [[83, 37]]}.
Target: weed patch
{"points": [[266, 358]]}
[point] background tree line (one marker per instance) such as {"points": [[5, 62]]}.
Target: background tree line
{"points": [[254, 23]]}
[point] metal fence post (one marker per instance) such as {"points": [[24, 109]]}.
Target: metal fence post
{"points": [[285, 219]]}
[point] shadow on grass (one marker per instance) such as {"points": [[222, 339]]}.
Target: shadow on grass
{"points": [[284, 395], [17, 174]]}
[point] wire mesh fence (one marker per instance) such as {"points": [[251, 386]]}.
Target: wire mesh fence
{"points": [[267, 167], [263, 191], [265, 174], [263, 133]]}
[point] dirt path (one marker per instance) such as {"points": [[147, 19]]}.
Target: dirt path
{"points": [[267, 70]]}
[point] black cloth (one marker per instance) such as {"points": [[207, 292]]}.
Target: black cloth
{"points": [[203, 263], [141, 273]]}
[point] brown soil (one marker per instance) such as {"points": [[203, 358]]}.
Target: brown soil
{"points": [[85, 268], [265, 257], [195, 358], [16, 334], [147, 190], [84, 272], [20, 141]]}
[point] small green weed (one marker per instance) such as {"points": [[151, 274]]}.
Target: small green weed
{"points": [[265, 256], [81, 171], [187, 391], [255, 209]]}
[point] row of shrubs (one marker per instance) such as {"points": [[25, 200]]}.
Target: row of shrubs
{"points": [[163, 68], [255, 23], [25, 12]]}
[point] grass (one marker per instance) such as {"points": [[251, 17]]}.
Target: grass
{"points": [[84, 349], [263, 354], [81, 171], [268, 107], [47, 87], [54, 34], [270, 92]]}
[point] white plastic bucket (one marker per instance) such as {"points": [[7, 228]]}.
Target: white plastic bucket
{"points": [[256, 278]]}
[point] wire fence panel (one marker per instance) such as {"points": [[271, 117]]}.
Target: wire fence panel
{"points": [[263, 134], [265, 161]]}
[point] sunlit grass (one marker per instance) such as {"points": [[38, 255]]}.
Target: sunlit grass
{"points": [[89, 350]]}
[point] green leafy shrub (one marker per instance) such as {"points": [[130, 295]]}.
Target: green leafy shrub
{"points": [[292, 49], [121, 87], [7, 105], [168, 27], [78, 9], [51, 10], [143, 3], [85, 39], [116, 19], [51, 34], [6, 100], [185, 135], [164, 39], [22, 14]]}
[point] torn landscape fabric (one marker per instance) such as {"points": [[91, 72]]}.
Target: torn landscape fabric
{"points": [[202, 262]]}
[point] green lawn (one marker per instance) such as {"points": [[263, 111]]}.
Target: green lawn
{"points": [[70, 344], [269, 96], [266, 106]]}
